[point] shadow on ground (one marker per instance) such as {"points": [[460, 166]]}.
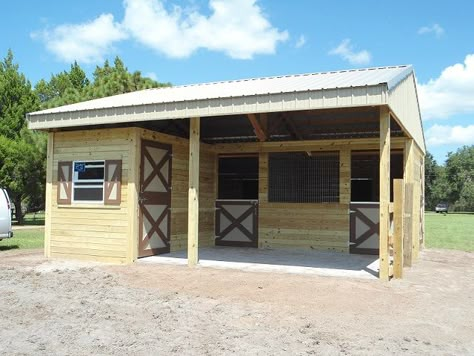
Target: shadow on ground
{"points": [[9, 247]]}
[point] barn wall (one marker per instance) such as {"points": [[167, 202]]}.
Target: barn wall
{"points": [[93, 232], [110, 233], [319, 226], [179, 193]]}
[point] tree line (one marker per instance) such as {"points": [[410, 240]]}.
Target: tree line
{"points": [[451, 183], [22, 151]]}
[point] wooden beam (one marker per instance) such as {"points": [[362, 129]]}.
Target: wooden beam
{"points": [[398, 211], [307, 145], [344, 176], [408, 177], [49, 197], [193, 194], [294, 130], [133, 192], [384, 218], [257, 127], [423, 201], [264, 123]]}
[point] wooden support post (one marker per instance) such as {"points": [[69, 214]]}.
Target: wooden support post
{"points": [[49, 195], [423, 201], [398, 212], [408, 177], [384, 167], [133, 193], [345, 176], [416, 219], [257, 127], [193, 195]]}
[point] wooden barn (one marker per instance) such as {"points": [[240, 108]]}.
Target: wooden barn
{"points": [[325, 161]]}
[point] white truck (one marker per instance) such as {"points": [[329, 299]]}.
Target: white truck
{"points": [[5, 215]]}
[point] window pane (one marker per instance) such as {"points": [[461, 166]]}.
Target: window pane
{"points": [[88, 194], [299, 178], [92, 173]]}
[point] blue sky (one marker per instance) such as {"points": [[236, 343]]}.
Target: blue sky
{"points": [[191, 41]]}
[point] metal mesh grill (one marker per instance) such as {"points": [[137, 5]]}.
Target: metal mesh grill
{"points": [[299, 178]]}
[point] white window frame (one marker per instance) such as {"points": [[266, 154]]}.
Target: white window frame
{"points": [[75, 179]]}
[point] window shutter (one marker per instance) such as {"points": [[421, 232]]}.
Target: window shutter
{"points": [[64, 182], [112, 182]]}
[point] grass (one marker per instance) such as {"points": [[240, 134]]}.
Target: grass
{"points": [[452, 231], [24, 239]]}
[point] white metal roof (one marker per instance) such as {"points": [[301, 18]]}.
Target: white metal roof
{"points": [[244, 88], [393, 86]]}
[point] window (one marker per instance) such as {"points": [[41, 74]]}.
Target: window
{"points": [[88, 181], [298, 177]]}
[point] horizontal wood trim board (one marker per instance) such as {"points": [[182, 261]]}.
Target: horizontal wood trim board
{"points": [[319, 145], [77, 235], [90, 245]]}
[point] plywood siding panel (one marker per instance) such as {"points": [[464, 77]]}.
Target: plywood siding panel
{"points": [[93, 232]]}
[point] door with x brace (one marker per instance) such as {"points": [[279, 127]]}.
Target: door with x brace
{"points": [[155, 199], [237, 223], [364, 230]]}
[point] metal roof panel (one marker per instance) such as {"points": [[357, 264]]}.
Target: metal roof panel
{"points": [[390, 76]]}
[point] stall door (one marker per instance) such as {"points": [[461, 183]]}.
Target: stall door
{"points": [[364, 235], [154, 199], [236, 223]]}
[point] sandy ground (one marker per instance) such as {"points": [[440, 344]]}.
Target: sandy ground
{"points": [[76, 308]]}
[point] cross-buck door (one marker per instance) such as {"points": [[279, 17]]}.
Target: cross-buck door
{"points": [[155, 199], [364, 232], [237, 223]]}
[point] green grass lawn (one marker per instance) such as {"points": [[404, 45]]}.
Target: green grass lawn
{"points": [[24, 239], [452, 231]]}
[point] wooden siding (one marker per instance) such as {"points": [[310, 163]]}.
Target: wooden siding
{"points": [[179, 193], [88, 231], [110, 233], [318, 226]]}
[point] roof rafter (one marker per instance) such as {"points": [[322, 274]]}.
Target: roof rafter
{"points": [[257, 128]]}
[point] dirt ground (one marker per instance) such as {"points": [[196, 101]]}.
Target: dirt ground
{"points": [[76, 308]]}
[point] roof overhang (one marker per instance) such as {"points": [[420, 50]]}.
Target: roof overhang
{"points": [[372, 87], [265, 103]]}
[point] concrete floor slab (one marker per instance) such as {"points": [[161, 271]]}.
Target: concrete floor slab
{"points": [[281, 261]]}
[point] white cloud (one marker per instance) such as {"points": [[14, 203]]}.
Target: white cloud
{"points": [[300, 42], [451, 93], [346, 51], [438, 135], [435, 29], [237, 28], [88, 42]]}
